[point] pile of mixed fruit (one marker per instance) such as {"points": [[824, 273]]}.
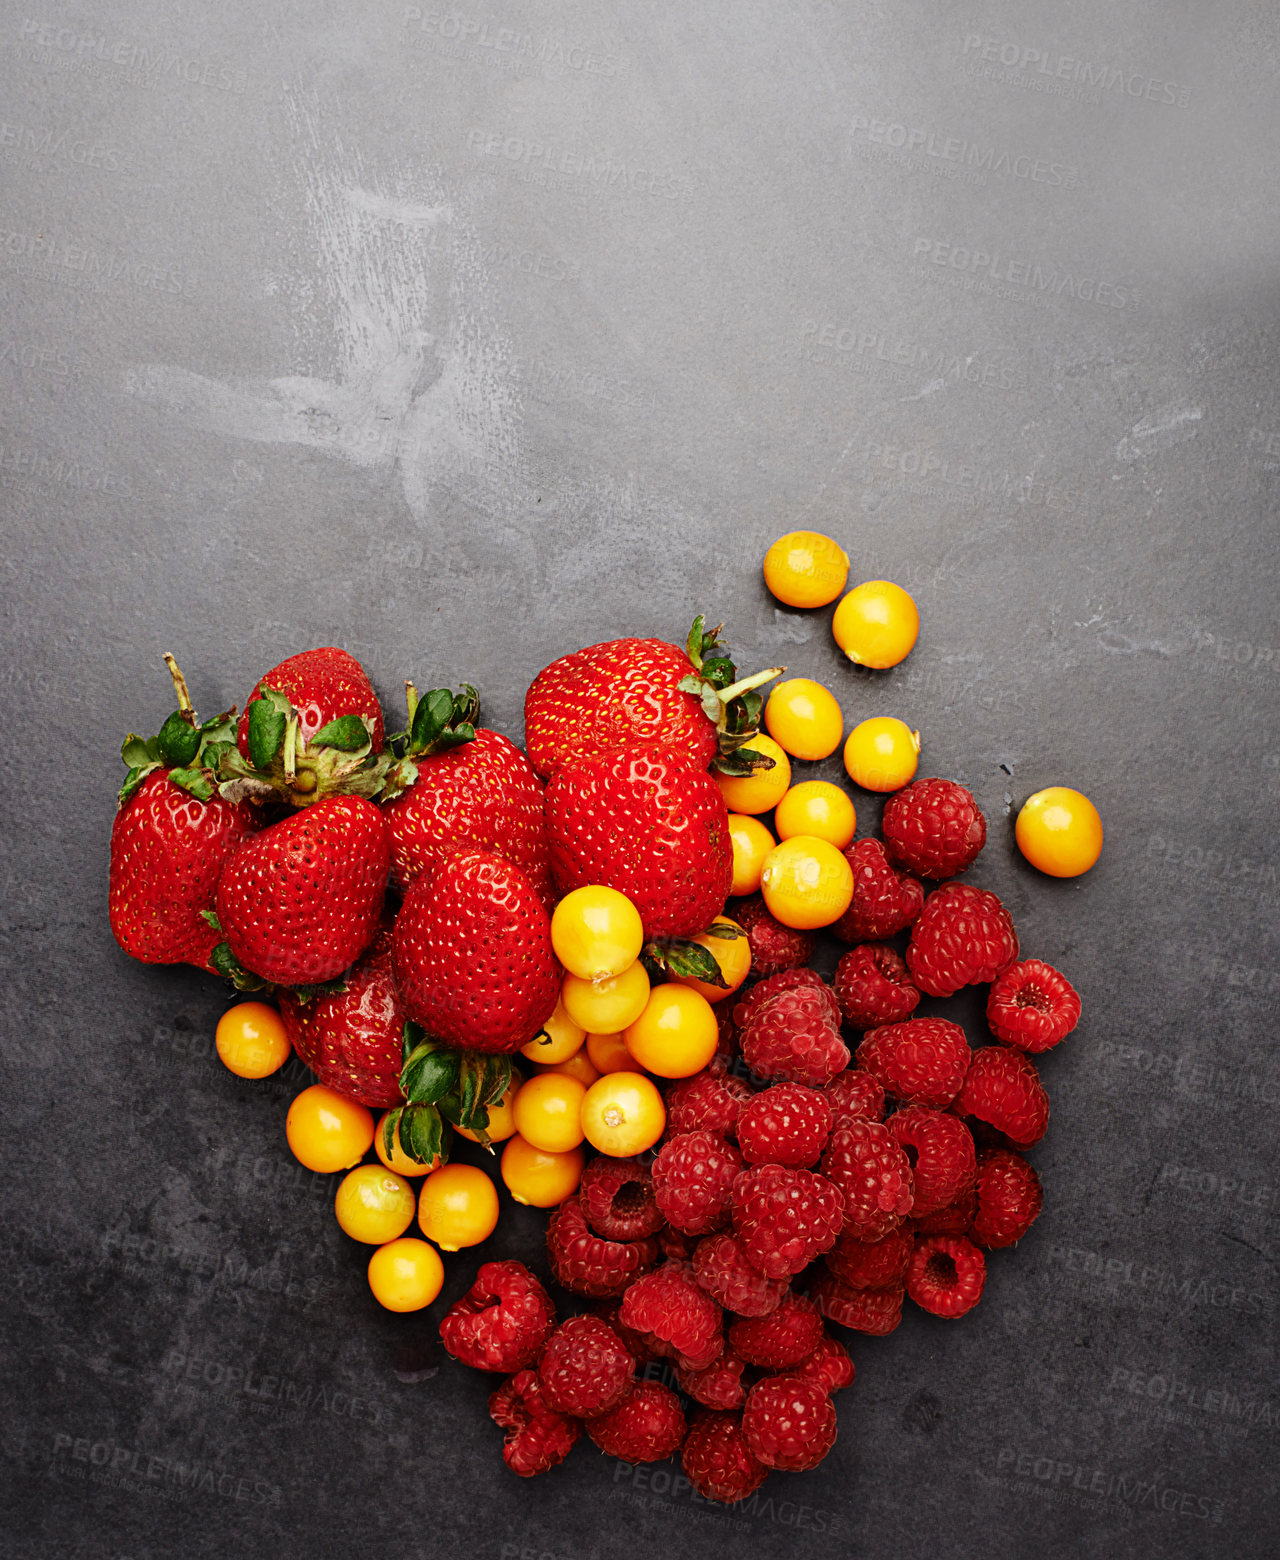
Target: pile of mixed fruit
{"points": [[607, 945]]}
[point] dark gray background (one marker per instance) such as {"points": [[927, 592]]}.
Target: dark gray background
{"points": [[466, 337]]}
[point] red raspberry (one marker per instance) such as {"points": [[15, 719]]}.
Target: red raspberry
{"points": [[676, 1246], [872, 1264], [617, 1201], [784, 1125], [773, 946], [946, 1275], [829, 1364], [885, 900], [871, 1311], [855, 1094], [873, 1175], [537, 1436], [585, 1368], [873, 987], [789, 1422], [955, 1219], [921, 1062], [502, 1320], [588, 1264], [790, 1037], [677, 1317], [940, 1148], [707, 1102], [636, 1345], [1002, 1091], [1008, 1196], [774, 985], [693, 1181], [726, 1034], [719, 1385], [781, 1339], [933, 827], [647, 1426], [721, 1267], [785, 1218], [717, 1460], [964, 935], [1032, 1006]]}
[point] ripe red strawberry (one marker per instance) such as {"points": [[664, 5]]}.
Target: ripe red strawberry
{"points": [[481, 794], [616, 695], [719, 1463], [538, 1437], [643, 821], [473, 954], [502, 1321], [353, 1040], [885, 898], [168, 849], [301, 901], [323, 685]]}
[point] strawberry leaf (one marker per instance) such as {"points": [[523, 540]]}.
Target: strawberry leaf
{"points": [[266, 731], [227, 965], [693, 645], [430, 1072], [430, 718], [133, 780], [323, 988], [419, 1131], [212, 917], [680, 956], [179, 741], [348, 734], [742, 761], [194, 781], [140, 752]]}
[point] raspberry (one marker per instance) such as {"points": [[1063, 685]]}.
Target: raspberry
{"points": [[781, 1339], [872, 1311], [933, 827], [677, 1317], [537, 1436], [719, 1385], [789, 1422], [785, 980], [964, 935], [617, 1201], [867, 1164], [855, 1094], [676, 1246], [954, 1219], [921, 1062], [502, 1320], [693, 1181], [1003, 1092], [726, 1035], [636, 1345], [946, 1275], [872, 1264], [940, 1148], [829, 1365], [1008, 1198], [1032, 1006], [707, 1102], [873, 987], [588, 1264], [784, 1125], [785, 1218], [647, 1426], [791, 1037], [773, 946], [721, 1267], [717, 1460], [585, 1368], [884, 901]]}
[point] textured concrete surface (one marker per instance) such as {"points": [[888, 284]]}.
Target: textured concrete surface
{"points": [[464, 337]]}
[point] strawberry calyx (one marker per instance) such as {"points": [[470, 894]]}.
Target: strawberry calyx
{"points": [[443, 1088], [438, 720], [189, 749], [338, 760], [682, 956], [733, 704]]}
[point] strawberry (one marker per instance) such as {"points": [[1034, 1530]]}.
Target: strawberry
{"points": [[470, 787], [631, 692], [323, 685], [353, 1040], [473, 956], [301, 901], [172, 836], [644, 821]]}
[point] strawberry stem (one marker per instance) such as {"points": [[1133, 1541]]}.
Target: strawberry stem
{"points": [[746, 684], [180, 689]]}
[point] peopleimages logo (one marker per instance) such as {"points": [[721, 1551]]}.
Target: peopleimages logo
{"points": [[920, 142], [1003, 55], [1005, 270]]}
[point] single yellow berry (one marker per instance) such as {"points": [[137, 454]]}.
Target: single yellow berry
{"points": [[539, 1179], [732, 954], [1059, 831], [251, 1040], [676, 1034], [623, 1114], [374, 1204], [546, 1112], [605, 1007], [876, 624], [882, 753], [806, 569], [458, 1206], [596, 932], [806, 883], [557, 1040], [752, 842], [819, 808], [804, 718], [406, 1274]]}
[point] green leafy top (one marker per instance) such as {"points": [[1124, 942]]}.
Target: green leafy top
{"points": [[443, 1088], [190, 750], [734, 704]]}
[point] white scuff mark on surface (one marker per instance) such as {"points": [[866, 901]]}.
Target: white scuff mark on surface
{"points": [[1169, 425], [931, 387]]}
